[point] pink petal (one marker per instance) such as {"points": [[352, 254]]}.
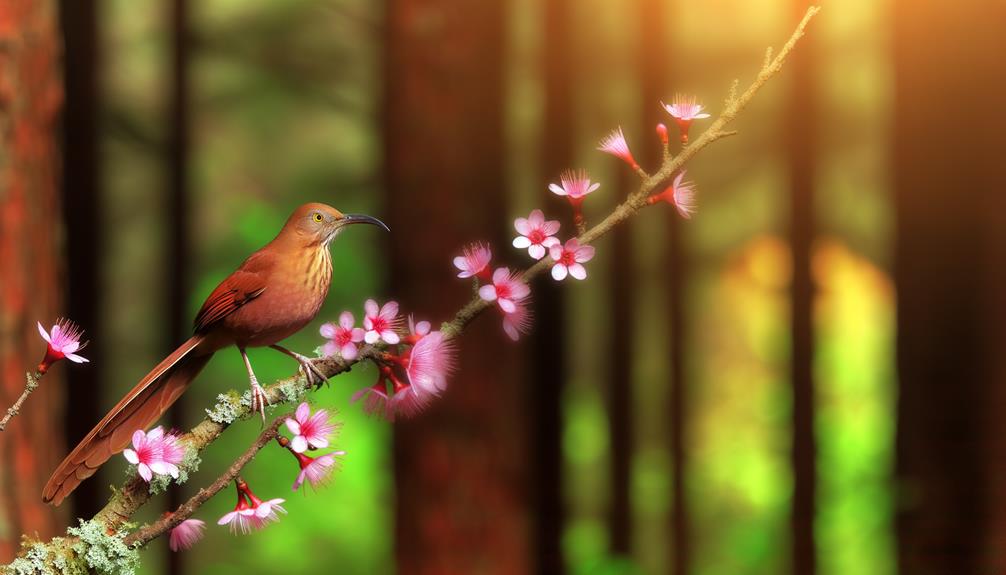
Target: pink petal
{"points": [[144, 471], [536, 251], [78, 359], [371, 337], [327, 330], [139, 439], [551, 227], [390, 337], [501, 275], [329, 349], [293, 425], [131, 456], [348, 352], [299, 444], [559, 272], [371, 308], [358, 334], [521, 242], [227, 518], [522, 226], [507, 305], [43, 333], [519, 290], [584, 253], [303, 412], [390, 310], [557, 190], [487, 292], [510, 330], [461, 263], [550, 241], [536, 218], [346, 320], [578, 271]]}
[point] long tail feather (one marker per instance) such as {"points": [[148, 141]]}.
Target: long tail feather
{"points": [[139, 409]]}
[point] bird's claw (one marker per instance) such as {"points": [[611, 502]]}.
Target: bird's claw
{"points": [[259, 399], [313, 375]]}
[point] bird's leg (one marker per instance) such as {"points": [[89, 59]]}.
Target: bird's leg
{"points": [[259, 399], [313, 374]]}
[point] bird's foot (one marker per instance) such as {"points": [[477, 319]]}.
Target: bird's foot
{"points": [[259, 399], [313, 375]]}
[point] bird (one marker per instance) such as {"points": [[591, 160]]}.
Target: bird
{"points": [[275, 293]]}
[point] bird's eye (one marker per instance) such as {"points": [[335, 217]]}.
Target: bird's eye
{"points": [[318, 217]]}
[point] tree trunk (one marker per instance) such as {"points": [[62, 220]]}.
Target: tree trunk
{"points": [[30, 99], [950, 285], [461, 465], [801, 155]]}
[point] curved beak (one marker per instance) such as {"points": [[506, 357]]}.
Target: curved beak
{"points": [[363, 219]]}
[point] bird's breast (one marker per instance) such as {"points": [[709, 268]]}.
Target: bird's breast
{"points": [[292, 299]]}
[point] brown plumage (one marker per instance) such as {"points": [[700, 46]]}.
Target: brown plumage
{"points": [[272, 295]]}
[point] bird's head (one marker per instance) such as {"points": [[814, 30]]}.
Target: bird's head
{"points": [[320, 223]]}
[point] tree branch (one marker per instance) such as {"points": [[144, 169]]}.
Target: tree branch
{"points": [[150, 532], [135, 493], [31, 383]]}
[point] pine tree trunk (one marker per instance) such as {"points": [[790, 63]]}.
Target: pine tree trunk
{"points": [[30, 99]]}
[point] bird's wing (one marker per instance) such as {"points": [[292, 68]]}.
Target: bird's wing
{"points": [[239, 288]]}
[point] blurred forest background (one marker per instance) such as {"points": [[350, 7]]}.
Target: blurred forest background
{"points": [[806, 378]]}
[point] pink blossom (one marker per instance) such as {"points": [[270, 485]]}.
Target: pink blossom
{"points": [[519, 322], [473, 260], [616, 145], [342, 337], [536, 234], [310, 430], [155, 452], [430, 361], [401, 400], [569, 259], [506, 290], [680, 194], [684, 110], [63, 341], [574, 185], [186, 534], [251, 513], [381, 323], [316, 470]]}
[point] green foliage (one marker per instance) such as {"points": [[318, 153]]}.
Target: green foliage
{"points": [[103, 552]]}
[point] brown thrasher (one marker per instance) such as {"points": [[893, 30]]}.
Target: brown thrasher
{"points": [[275, 293]]}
